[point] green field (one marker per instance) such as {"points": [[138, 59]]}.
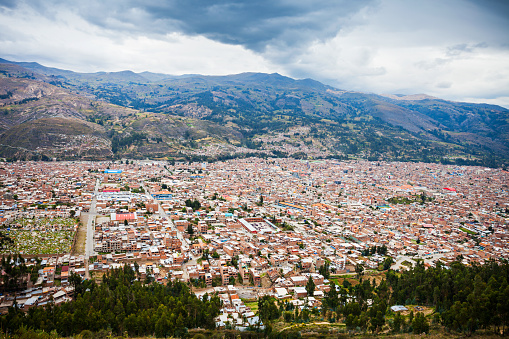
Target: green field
{"points": [[467, 231], [252, 305]]}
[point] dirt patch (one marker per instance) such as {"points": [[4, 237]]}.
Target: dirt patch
{"points": [[415, 308], [265, 281], [100, 219], [377, 276], [81, 237], [339, 281]]}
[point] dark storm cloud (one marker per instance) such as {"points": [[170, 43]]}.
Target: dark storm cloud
{"points": [[7, 3], [498, 7], [455, 49], [252, 24]]}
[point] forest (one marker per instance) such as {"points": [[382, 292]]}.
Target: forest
{"points": [[462, 299], [465, 299], [121, 306]]}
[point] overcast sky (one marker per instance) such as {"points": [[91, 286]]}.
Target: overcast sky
{"points": [[452, 49]]}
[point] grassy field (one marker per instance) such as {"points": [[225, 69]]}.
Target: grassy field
{"points": [[252, 305], [467, 231]]}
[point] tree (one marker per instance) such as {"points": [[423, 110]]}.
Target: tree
{"points": [[5, 241], [288, 316], [331, 299], [267, 309], [136, 268], [195, 205], [260, 201], [397, 322], [387, 263], [190, 230], [216, 281], [420, 324], [76, 282], [310, 287], [205, 254], [359, 269], [325, 270]]}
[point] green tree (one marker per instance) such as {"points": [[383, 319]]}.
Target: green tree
{"points": [[331, 299], [359, 269], [76, 282], [325, 270], [267, 309], [397, 323], [310, 286], [420, 324]]}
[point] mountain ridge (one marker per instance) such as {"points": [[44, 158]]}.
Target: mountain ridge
{"points": [[264, 112]]}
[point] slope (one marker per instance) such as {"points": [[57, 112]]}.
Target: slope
{"points": [[276, 115]]}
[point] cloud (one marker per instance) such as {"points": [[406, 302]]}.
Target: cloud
{"points": [[444, 84], [251, 24], [7, 3], [452, 49], [67, 41]]}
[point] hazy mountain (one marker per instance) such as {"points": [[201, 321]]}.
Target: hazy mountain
{"points": [[268, 113]]}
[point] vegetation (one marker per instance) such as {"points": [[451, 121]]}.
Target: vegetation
{"points": [[260, 112], [421, 198], [463, 299], [16, 274], [194, 204], [382, 250], [120, 305]]}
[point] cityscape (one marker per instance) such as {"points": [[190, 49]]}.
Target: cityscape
{"points": [[245, 228], [254, 169]]}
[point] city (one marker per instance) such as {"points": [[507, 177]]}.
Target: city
{"points": [[246, 228]]}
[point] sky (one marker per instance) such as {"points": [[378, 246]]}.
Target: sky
{"points": [[455, 49]]}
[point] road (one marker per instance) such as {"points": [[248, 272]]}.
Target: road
{"points": [[399, 260], [163, 215], [89, 248], [185, 243]]}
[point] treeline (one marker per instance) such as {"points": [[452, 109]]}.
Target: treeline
{"points": [[382, 250], [15, 273], [118, 142], [120, 305], [465, 299]]}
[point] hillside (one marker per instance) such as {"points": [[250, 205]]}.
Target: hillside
{"points": [[39, 120], [204, 117]]}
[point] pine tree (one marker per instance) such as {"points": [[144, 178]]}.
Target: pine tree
{"points": [[310, 287]]}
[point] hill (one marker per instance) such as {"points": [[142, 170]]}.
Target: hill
{"points": [[39, 120], [203, 117]]}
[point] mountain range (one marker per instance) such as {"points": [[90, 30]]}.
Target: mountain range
{"points": [[52, 113]]}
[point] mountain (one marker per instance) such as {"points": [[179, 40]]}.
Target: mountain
{"points": [[205, 117]]}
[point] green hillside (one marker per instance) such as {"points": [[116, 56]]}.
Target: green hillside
{"points": [[199, 117]]}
